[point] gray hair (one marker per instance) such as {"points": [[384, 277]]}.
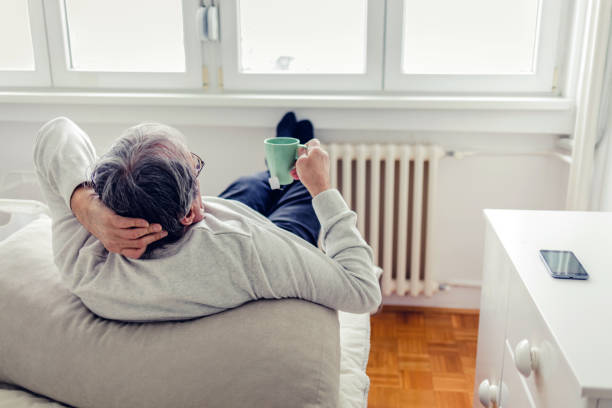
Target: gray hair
{"points": [[147, 174]]}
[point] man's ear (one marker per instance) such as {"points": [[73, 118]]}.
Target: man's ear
{"points": [[188, 219]]}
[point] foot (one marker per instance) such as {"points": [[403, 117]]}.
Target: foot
{"points": [[304, 131], [286, 126]]}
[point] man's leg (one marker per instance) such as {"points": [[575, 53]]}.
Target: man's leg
{"points": [[289, 208], [253, 191], [294, 213]]}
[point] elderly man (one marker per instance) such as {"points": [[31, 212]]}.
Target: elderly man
{"points": [[134, 239]]}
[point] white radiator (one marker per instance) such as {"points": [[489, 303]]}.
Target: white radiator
{"points": [[393, 190]]}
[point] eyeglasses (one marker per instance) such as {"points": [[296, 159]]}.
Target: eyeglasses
{"points": [[199, 163]]}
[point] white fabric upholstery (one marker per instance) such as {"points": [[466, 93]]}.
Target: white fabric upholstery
{"points": [[354, 341]]}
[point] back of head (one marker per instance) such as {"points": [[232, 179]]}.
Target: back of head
{"points": [[147, 174]]}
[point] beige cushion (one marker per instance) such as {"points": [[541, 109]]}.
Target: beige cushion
{"points": [[277, 353]]}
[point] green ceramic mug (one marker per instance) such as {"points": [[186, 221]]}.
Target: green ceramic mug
{"points": [[281, 154]]}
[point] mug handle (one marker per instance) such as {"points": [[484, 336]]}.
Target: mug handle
{"points": [[302, 146]]}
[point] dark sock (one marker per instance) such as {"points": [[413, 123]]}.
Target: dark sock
{"points": [[286, 126], [304, 131]]}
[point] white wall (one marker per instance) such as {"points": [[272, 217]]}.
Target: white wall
{"points": [[466, 186]]}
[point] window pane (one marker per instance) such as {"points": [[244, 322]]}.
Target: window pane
{"points": [[302, 37], [126, 36], [16, 50], [469, 36]]}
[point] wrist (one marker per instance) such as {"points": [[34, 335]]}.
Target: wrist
{"points": [[81, 196], [315, 191]]}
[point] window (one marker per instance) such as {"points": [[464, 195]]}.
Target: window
{"points": [[134, 42], [23, 57], [287, 41], [472, 45], [409, 46], [302, 45], [469, 37], [114, 43], [17, 51]]}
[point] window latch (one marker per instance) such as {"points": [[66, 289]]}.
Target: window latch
{"points": [[207, 22]]}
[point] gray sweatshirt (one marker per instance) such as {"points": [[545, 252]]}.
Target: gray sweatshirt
{"points": [[234, 255]]}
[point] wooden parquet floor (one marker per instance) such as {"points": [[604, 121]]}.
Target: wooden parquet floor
{"points": [[422, 358]]}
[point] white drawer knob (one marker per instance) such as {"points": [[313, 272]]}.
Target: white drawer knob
{"points": [[487, 393], [525, 357]]}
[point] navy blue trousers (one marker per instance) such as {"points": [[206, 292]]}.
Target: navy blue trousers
{"points": [[289, 208]]}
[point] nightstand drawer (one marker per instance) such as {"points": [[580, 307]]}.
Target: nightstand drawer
{"points": [[514, 392], [492, 320], [545, 370]]}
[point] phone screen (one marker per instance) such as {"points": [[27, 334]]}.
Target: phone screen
{"points": [[563, 264]]}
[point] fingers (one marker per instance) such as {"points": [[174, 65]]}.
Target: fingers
{"points": [[131, 253], [135, 233], [124, 222], [138, 247], [316, 151], [313, 143], [134, 248], [134, 253], [294, 174], [147, 239]]}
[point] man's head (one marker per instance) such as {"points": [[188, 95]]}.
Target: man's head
{"points": [[149, 173]]}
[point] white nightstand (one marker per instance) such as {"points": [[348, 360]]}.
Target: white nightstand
{"points": [[557, 332]]}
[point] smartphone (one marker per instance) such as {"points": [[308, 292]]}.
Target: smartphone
{"points": [[563, 264]]}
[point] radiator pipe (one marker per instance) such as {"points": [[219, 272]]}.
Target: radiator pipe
{"points": [[463, 154]]}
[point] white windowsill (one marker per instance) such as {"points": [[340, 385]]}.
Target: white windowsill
{"points": [[533, 115], [290, 100]]}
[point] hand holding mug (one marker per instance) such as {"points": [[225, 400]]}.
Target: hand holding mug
{"points": [[281, 154], [312, 168]]}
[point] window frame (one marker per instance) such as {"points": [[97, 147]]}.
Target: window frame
{"points": [[383, 55], [64, 76], [547, 53], [40, 76], [234, 80]]}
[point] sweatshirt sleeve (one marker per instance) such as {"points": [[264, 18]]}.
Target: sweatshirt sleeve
{"points": [[342, 277], [63, 155]]}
